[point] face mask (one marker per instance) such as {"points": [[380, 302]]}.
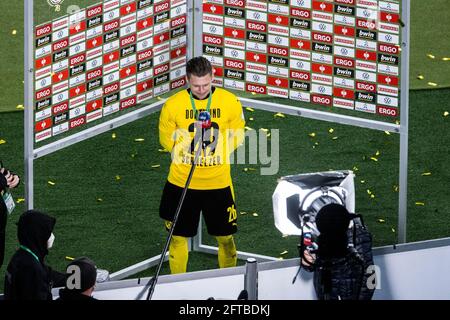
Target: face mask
{"points": [[50, 241]]}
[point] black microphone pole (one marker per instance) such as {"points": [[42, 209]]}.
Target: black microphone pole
{"points": [[152, 282]]}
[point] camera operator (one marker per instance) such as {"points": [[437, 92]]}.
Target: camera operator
{"points": [[8, 180]]}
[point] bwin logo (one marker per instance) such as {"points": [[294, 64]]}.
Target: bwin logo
{"points": [[322, 26]]}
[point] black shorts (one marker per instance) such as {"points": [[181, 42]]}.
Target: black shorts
{"points": [[217, 207]]}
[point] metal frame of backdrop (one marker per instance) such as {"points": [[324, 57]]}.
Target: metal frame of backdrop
{"points": [[194, 42]]}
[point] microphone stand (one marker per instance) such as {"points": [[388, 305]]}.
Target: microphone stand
{"points": [[152, 282]]}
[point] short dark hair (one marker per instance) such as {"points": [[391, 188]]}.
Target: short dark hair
{"points": [[88, 272], [199, 67]]}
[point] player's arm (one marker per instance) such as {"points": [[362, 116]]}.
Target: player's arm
{"points": [[236, 124], [167, 127]]}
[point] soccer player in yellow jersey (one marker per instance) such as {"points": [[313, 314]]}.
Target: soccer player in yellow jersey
{"points": [[210, 191]]}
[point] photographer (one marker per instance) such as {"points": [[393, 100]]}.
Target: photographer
{"points": [[8, 180]]}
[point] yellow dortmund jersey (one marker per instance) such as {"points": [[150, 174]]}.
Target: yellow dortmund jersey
{"points": [[177, 133]]}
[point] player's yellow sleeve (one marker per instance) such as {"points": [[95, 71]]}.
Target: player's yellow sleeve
{"points": [[167, 127], [236, 125]]}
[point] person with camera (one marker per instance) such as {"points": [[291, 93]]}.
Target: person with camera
{"points": [[210, 191], [8, 180]]}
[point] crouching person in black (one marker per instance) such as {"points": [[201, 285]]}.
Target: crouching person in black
{"points": [[81, 278], [27, 276]]}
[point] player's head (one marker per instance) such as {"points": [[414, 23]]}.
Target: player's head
{"points": [[199, 74]]}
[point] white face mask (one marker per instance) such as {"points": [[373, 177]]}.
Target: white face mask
{"points": [[50, 241]]}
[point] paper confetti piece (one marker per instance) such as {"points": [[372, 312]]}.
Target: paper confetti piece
{"points": [[279, 115], [426, 174], [243, 213], [250, 119], [377, 153], [316, 143], [113, 135], [387, 133], [118, 178], [20, 200], [69, 258], [255, 214], [99, 200], [395, 188], [248, 128], [431, 56], [268, 135], [381, 220], [374, 159], [163, 150], [159, 98], [420, 77], [283, 253], [156, 166], [133, 155], [372, 196], [250, 109], [139, 139], [20, 107], [363, 181], [446, 59], [14, 32], [264, 129], [2, 141], [51, 183], [420, 203], [369, 192], [312, 134], [432, 84], [331, 130], [253, 93], [393, 230], [446, 114], [355, 168], [397, 122], [334, 138]]}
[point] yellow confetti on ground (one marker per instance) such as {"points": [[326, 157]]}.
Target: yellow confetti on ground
{"points": [[118, 178], [397, 122], [355, 168], [431, 56], [331, 130], [163, 150], [381, 221], [335, 138], [20, 107], [20, 200], [133, 155], [268, 135], [139, 139], [156, 166], [2, 141], [446, 114], [374, 159], [279, 115], [99, 200], [387, 133], [255, 214], [113, 136], [393, 230], [283, 253], [426, 174], [243, 213], [248, 128], [368, 191], [363, 181], [159, 98], [395, 188], [445, 59], [264, 129], [420, 203], [14, 32], [312, 134], [250, 109], [245, 169], [316, 143], [420, 77], [372, 196], [432, 84], [250, 119], [51, 183], [253, 93], [69, 258], [377, 153]]}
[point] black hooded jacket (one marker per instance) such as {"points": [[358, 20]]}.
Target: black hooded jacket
{"points": [[27, 277], [3, 219]]}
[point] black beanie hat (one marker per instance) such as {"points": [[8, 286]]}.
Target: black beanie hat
{"points": [[88, 272]]}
